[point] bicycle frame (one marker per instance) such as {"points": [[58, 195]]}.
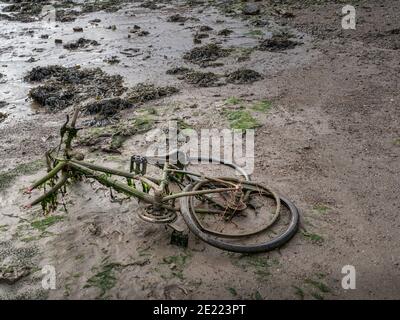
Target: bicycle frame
{"points": [[234, 194]]}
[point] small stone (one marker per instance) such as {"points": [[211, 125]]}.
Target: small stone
{"points": [[251, 9], [77, 29]]}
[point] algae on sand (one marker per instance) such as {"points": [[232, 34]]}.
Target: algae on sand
{"points": [[7, 177], [242, 120]]}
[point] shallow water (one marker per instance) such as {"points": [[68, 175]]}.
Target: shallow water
{"points": [[159, 51]]}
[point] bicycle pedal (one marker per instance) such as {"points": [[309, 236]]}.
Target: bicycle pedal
{"points": [[179, 239]]}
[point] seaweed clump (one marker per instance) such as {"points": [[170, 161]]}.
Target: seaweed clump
{"points": [[107, 107], [202, 79], [243, 76], [204, 54], [197, 78], [277, 43], [142, 92], [65, 86], [80, 43]]}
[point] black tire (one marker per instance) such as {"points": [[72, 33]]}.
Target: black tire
{"points": [[252, 248]]}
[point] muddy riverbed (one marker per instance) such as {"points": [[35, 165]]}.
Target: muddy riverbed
{"points": [[324, 103]]}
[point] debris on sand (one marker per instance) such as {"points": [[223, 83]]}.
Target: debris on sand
{"points": [[94, 21], [107, 107], [177, 18], [178, 71], [65, 86], [3, 116], [112, 60], [205, 29], [77, 29], [3, 104], [142, 92], [131, 52], [225, 32], [2, 78], [80, 44], [243, 76], [277, 43], [140, 33], [202, 55]]}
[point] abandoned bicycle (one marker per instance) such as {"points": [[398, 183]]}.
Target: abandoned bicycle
{"points": [[230, 213]]}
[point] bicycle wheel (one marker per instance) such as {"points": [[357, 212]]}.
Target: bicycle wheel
{"points": [[251, 224], [214, 161]]}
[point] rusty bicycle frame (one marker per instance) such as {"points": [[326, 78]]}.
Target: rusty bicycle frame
{"points": [[155, 191]]}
